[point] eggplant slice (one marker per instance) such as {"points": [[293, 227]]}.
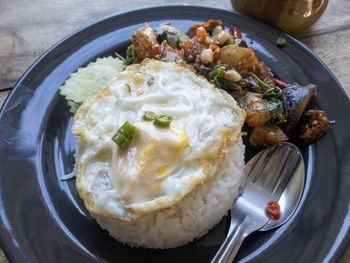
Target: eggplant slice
{"points": [[296, 99]]}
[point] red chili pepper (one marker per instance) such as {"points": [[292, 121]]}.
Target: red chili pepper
{"points": [[273, 209], [155, 50], [280, 83], [201, 35], [234, 31]]}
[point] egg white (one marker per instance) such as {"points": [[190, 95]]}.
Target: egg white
{"points": [[162, 165]]}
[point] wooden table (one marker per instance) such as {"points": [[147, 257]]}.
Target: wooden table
{"points": [[28, 28]]}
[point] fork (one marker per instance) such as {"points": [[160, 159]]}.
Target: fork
{"points": [[267, 176]]}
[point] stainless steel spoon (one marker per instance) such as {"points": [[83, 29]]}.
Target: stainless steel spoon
{"points": [[276, 173]]}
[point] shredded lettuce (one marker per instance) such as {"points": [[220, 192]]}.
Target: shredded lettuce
{"points": [[88, 80]]}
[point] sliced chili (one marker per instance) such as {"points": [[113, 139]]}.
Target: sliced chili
{"points": [[273, 210], [155, 50], [280, 83], [234, 31]]}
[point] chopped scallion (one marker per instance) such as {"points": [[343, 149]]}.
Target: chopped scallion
{"points": [[124, 135], [121, 140], [127, 87], [281, 42], [163, 121], [128, 130], [149, 116]]}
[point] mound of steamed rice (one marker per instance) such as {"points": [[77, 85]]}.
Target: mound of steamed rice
{"points": [[191, 218]]}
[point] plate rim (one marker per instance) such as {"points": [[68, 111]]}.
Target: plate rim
{"points": [[9, 246]]}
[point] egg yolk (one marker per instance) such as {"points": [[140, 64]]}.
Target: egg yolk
{"points": [[140, 171]]}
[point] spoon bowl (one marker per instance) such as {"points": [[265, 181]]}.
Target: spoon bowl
{"points": [[289, 199]]}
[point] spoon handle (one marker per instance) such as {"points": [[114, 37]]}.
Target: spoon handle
{"points": [[232, 243]]}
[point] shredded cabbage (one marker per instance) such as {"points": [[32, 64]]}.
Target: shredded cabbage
{"points": [[88, 80]]}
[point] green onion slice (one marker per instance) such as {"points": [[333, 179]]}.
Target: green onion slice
{"points": [[125, 134], [281, 42], [149, 116], [127, 87], [163, 121], [128, 130], [121, 140]]}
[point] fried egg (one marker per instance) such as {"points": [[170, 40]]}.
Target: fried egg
{"points": [[162, 164]]}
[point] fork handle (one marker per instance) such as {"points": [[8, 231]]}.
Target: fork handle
{"points": [[231, 245]]}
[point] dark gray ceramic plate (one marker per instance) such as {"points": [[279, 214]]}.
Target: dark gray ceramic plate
{"points": [[42, 218]]}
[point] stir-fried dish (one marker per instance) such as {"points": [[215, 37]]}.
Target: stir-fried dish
{"points": [[274, 108]]}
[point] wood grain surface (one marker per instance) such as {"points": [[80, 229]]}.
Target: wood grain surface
{"points": [[28, 28]]}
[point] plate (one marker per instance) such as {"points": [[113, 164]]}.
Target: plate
{"points": [[43, 219]]}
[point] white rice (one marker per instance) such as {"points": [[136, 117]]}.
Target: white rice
{"points": [[191, 218]]}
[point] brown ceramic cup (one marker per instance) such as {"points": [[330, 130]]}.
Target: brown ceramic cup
{"points": [[292, 16]]}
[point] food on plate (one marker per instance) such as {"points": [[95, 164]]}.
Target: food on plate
{"points": [[222, 56], [314, 125], [267, 135], [159, 154]]}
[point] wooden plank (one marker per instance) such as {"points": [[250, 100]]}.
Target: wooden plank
{"points": [[25, 33], [3, 96], [3, 258], [334, 50], [29, 28]]}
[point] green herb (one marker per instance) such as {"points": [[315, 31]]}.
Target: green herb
{"points": [[281, 42], [217, 73], [130, 54], [149, 116], [127, 87], [273, 93], [229, 42], [218, 76], [261, 83], [277, 110], [163, 121], [163, 36], [121, 58], [125, 134]]}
